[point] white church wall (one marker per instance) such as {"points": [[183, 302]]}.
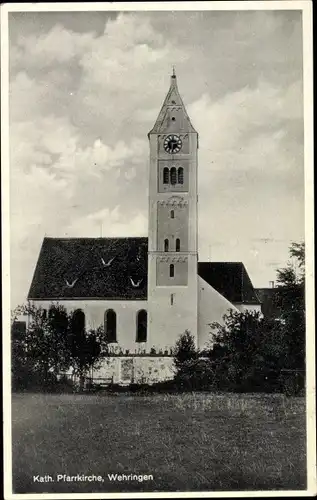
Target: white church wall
{"points": [[172, 309], [126, 311], [211, 308]]}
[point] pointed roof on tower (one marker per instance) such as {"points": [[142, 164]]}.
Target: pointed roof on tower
{"points": [[172, 102]]}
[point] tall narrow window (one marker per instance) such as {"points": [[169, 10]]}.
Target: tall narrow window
{"points": [[173, 175], [141, 326], [180, 175], [166, 245], [111, 325], [172, 299], [78, 322], [172, 214], [165, 175], [178, 244], [172, 271]]}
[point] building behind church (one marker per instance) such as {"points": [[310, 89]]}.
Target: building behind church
{"points": [[148, 291]]}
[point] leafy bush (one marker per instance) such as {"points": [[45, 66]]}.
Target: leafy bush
{"points": [[195, 374], [192, 371]]}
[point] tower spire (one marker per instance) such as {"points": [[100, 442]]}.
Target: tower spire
{"points": [[173, 100]]}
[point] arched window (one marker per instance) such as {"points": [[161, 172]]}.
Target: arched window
{"points": [[111, 325], [178, 244], [172, 271], [173, 175], [141, 326], [165, 175], [180, 175], [166, 245], [172, 214], [78, 322]]}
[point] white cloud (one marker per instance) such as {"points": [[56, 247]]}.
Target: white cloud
{"points": [[108, 223], [57, 46]]}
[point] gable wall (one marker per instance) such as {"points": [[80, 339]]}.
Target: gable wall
{"points": [[211, 308]]}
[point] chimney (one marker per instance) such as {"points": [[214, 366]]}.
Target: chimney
{"points": [[271, 283]]}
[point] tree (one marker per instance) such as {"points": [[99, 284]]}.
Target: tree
{"points": [[185, 349], [41, 352], [193, 372], [290, 299], [294, 272], [245, 350], [86, 348], [53, 343]]}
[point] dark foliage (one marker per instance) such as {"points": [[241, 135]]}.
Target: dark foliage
{"points": [[51, 344]]}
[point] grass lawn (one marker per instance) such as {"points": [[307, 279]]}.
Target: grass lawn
{"points": [[189, 442]]}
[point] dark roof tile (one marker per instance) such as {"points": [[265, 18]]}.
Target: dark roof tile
{"points": [[116, 269], [230, 279], [101, 268]]}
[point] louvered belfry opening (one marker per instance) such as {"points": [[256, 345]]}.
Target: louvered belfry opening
{"points": [[173, 176], [180, 175], [165, 175]]}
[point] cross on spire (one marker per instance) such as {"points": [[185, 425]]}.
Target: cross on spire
{"points": [[173, 74]]}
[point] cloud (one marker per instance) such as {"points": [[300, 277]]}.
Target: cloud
{"points": [[58, 46], [82, 103], [108, 223]]}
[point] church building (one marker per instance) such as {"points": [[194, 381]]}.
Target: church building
{"points": [[148, 291]]}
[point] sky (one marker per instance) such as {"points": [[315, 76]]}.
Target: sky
{"points": [[86, 88]]}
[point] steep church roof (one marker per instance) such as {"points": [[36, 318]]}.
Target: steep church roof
{"points": [[173, 105], [116, 269], [230, 279], [101, 268]]}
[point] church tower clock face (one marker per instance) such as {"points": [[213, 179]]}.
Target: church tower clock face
{"points": [[172, 144]]}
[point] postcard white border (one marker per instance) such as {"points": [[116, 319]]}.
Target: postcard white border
{"points": [[306, 8]]}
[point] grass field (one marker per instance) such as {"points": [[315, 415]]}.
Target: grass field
{"points": [[190, 442]]}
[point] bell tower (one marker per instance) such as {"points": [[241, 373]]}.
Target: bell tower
{"points": [[172, 244]]}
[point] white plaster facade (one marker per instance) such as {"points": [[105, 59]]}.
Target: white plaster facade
{"points": [[126, 315], [211, 308]]}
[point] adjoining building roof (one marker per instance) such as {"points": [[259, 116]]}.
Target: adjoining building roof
{"points": [[101, 268], [271, 306], [116, 269], [231, 280]]}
